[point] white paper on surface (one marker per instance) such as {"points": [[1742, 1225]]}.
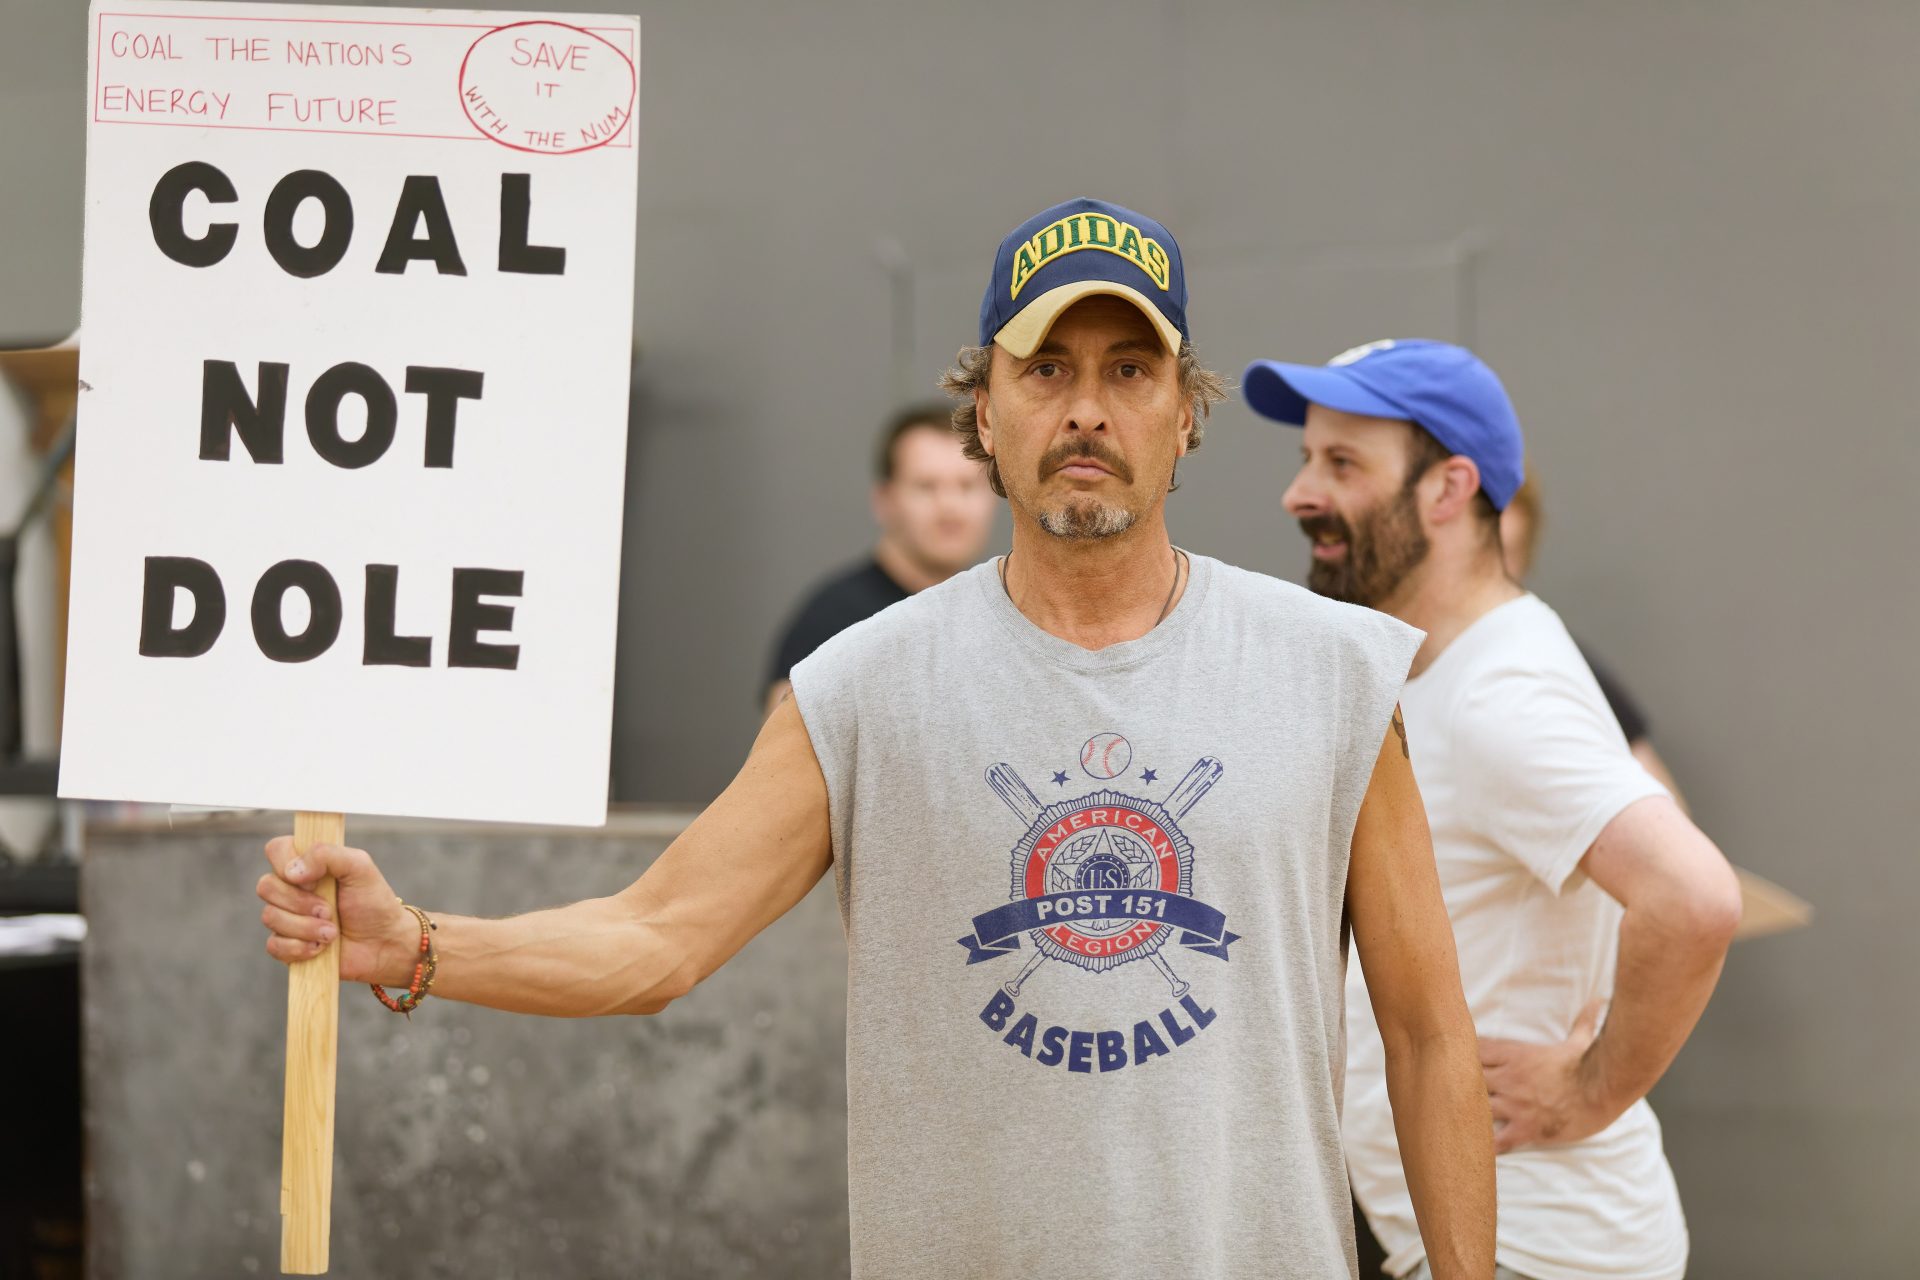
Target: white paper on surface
{"points": [[39, 935], [370, 96]]}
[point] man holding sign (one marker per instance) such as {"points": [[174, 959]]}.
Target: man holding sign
{"points": [[1097, 751]]}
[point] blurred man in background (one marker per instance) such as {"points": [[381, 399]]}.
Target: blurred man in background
{"points": [[1572, 880], [1520, 526], [934, 510]]}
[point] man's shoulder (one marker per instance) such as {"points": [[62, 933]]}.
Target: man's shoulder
{"points": [[1274, 602], [908, 623], [1519, 644], [1264, 594], [1524, 672], [841, 600], [860, 587], [838, 601]]}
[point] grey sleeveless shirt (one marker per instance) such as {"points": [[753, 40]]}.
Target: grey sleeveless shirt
{"points": [[1094, 907]]}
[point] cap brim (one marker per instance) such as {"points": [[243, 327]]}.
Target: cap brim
{"points": [[1283, 392], [1023, 334]]}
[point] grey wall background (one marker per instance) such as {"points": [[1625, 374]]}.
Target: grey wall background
{"points": [[709, 1141], [1683, 233]]}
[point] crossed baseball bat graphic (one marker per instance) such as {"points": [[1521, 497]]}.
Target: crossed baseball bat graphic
{"points": [[1019, 797]]}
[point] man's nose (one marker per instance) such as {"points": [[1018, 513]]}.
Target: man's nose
{"points": [[1088, 411], [1301, 498]]}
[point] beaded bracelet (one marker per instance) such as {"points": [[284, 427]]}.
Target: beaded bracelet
{"points": [[422, 972]]}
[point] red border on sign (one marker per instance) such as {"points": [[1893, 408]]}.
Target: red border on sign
{"points": [[100, 24]]}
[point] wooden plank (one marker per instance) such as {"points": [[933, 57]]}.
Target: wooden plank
{"points": [[313, 1045]]}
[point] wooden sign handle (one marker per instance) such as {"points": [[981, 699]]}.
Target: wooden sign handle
{"points": [[313, 1043]]}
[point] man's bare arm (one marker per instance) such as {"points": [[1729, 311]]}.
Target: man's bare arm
{"points": [[1413, 978], [742, 864], [777, 693], [1682, 905]]}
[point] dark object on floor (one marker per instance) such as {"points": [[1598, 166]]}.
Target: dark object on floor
{"points": [[40, 1201]]}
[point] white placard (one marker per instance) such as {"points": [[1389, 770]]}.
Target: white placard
{"points": [[356, 325]]}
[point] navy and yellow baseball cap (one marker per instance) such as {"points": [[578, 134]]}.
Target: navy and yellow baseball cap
{"points": [[1078, 250], [1446, 389]]}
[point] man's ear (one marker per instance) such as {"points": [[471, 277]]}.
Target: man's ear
{"points": [[980, 416], [1459, 482], [1186, 429]]}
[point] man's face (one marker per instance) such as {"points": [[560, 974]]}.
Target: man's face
{"points": [[937, 508], [1087, 429], [1356, 503]]}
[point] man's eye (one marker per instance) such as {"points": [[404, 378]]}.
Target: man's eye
{"points": [[1341, 464], [1046, 368], [1131, 371]]}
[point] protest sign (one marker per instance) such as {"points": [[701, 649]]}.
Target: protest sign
{"points": [[357, 318], [357, 323]]}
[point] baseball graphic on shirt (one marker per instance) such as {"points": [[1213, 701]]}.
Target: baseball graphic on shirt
{"points": [[1098, 881], [1106, 755]]}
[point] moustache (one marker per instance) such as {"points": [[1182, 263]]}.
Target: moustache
{"points": [[1314, 526], [1085, 447]]}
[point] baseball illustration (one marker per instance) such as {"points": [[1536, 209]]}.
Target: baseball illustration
{"points": [[1106, 755]]}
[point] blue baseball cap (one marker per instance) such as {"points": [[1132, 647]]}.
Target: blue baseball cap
{"points": [[1446, 389], [1043, 268]]}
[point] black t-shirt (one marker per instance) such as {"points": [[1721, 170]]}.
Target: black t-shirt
{"points": [[851, 596], [1633, 721]]}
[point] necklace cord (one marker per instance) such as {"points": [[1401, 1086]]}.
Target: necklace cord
{"points": [[1179, 558]]}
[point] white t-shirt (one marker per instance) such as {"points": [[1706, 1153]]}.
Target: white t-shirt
{"points": [[1522, 765]]}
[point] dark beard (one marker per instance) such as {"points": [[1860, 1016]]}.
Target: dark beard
{"points": [[1386, 546]]}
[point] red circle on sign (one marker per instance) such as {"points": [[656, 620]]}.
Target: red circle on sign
{"points": [[519, 79]]}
